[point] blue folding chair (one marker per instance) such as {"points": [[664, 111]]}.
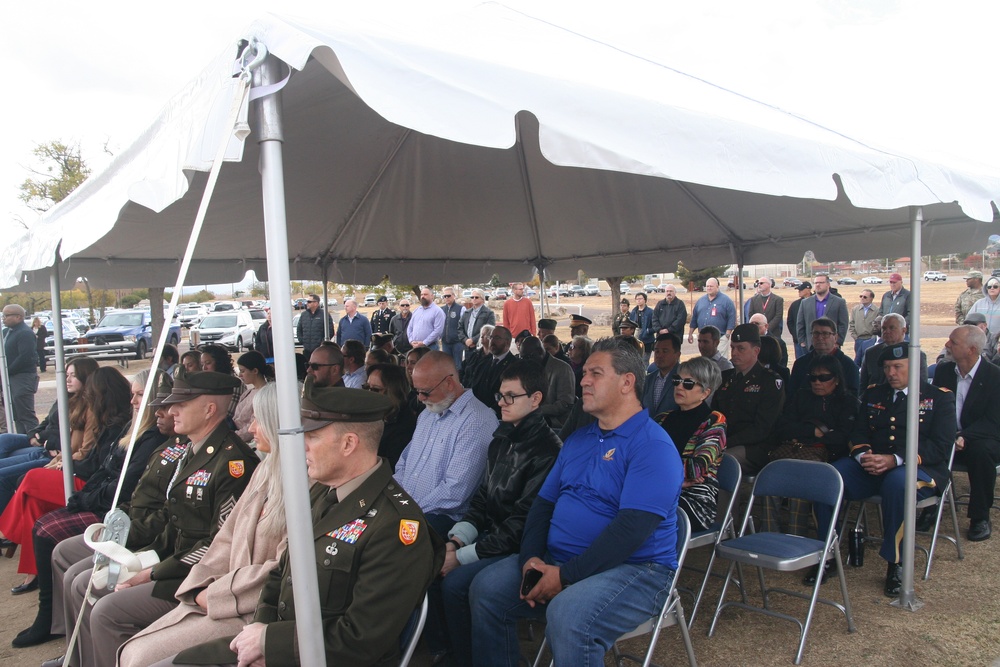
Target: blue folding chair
{"points": [[671, 613], [806, 480], [411, 634]]}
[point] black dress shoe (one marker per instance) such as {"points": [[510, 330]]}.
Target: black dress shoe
{"points": [[925, 522], [25, 588], [980, 530], [829, 570], [33, 636], [893, 580]]}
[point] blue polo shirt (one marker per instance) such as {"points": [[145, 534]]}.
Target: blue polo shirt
{"points": [[635, 466]]}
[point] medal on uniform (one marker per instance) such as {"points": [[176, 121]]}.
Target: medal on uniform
{"points": [[332, 549], [201, 493], [190, 490]]}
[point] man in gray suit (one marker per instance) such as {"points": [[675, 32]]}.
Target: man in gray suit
{"points": [[658, 393], [823, 303], [474, 318]]}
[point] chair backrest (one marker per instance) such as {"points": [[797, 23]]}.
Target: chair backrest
{"points": [[420, 617], [805, 480], [730, 474], [683, 538]]}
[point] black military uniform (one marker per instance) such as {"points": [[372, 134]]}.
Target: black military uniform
{"points": [[375, 557], [380, 318], [751, 403]]}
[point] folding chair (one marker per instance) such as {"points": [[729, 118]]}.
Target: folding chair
{"points": [[946, 496], [672, 612], [729, 476], [419, 617], [962, 499], [807, 480]]}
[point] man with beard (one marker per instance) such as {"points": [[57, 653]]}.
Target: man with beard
{"points": [[442, 465], [427, 322]]}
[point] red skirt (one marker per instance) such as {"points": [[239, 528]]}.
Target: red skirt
{"points": [[40, 492]]}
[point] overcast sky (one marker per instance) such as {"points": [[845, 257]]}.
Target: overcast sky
{"points": [[914, 75]]}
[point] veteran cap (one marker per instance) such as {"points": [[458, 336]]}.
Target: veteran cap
{"points": [[894, 352], [201, 383], [805, 284], [547, 324], [746, 333], [895, 278], [577, 320], [322, 406], [163, 389]]}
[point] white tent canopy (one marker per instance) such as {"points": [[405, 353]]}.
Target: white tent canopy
{"points": [[491, 143]]}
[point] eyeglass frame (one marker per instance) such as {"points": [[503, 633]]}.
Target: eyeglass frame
{"points": [[508, 399], [425, 394], [678, 381]]}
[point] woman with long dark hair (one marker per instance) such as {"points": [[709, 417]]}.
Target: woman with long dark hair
{"points": [[254, 372], [390, 380]]}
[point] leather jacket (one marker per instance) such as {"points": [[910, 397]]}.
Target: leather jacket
{"points": [[518, 461]]}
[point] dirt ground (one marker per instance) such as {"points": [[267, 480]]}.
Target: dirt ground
{"points": [[959, 623]]}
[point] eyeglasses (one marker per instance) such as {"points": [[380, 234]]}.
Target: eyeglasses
{"points": [[425, 394], [404, 305], [507, 399], [477, 297], [313, 366], [687, 383], [993, 286], [864, 296], [377, 390], [821, 377], [822, 334], [311, 301], [449, 296]]}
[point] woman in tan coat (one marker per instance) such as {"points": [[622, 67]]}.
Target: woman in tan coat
{"points": [[219, 595]]}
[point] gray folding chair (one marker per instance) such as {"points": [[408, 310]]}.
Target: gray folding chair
{"points": [[946, 497], [729, 476], [418, 629], [806, 480], [672, 612]]}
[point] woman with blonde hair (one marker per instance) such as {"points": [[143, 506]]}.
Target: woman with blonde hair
{"points": [[219, 596]]}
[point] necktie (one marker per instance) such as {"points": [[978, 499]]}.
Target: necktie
{"points": [[177, 470], [900, 396]]}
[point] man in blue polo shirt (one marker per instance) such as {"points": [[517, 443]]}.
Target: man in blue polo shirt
{"points": [[601, 535]]}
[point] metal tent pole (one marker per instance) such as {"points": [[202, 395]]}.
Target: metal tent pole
{"points": [[907, 596], [308, 624], [62, 396], [326, 308], [8, 406]]}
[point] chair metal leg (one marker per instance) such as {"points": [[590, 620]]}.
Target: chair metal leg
{"points": [[722, 597], [685, 636]]}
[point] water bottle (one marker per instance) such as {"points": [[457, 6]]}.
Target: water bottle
{"points": [[856, 548]]}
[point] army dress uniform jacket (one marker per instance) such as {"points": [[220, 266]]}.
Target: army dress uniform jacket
{"points": [[375, 557], [881, 427], [751, 404], [380, 320], [205, 490], [146, 509]]}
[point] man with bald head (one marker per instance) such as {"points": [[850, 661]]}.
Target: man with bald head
{"points": [[22, 368], [210, 477], [353, 325], [442, 465], [714, 309], [770, 305], [762, 325], [426, 325], [326, 366], [893, 332], [486, 378]]}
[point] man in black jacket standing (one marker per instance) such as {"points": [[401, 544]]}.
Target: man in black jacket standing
{"points": [[310, 329], [976, 384], [670, 313], [22, 368]]}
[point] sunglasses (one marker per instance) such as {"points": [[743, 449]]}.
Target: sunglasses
{"points": [[377, 390], [507, 399], [449, 296], [404, 305], [477, 297], [425, 394], [313, 366], [821, 377], [687, 383], [993, 286]]}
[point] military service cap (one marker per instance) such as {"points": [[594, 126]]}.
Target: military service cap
{"points": [[746, 333], [201, 383], [322, 406], [894, 352]]}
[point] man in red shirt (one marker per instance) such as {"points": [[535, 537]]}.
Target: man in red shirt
{"points": [[518, 312]]}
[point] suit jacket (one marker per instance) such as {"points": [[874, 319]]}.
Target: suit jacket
{"points": [[487, 379], [980, 418], [862, 325], [901, 304], [485, 316], [375, 556], [773, 308], [667, 402], [881, 427], [560, 391], [793, 319], [836, 310]]}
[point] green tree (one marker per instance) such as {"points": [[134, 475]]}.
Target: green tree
{"points": [[199, 296], [698, 276], [61, 171]]}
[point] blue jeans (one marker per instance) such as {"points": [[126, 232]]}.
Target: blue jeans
{"points": [[456, 350], [583, 621], [859, 485], [457, 611], [13, 442]]}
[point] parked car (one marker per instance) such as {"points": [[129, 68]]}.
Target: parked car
{"points": [[233, 329], [371, 300], [295, 328], [846, 280], [624, 288], [299, 304], [871, 280], [132, 328], [791, 282], [996, 273], [591, 290], [225, 306], [561, 291], [576, 290], [732, 284], [935, 275], [501, 293], [70, 334], [191, 317]]}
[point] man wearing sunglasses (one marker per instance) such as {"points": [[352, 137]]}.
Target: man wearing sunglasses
{"points": [[474, 318], [862, 325], [310, 327], [442, 465], [326, 366], [823, 334]]}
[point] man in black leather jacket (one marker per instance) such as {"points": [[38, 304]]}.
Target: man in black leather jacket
{"points": [[519, 459]]}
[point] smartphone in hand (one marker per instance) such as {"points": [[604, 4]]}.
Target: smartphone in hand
{"points": [[531, 578]]}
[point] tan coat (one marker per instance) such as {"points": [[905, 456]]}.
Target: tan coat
{"points": [[233, 571]]}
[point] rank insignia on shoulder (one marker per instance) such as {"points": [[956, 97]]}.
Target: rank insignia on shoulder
{"points": [[777, 382], [609, 455], [408, 531], [236, 469]]}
